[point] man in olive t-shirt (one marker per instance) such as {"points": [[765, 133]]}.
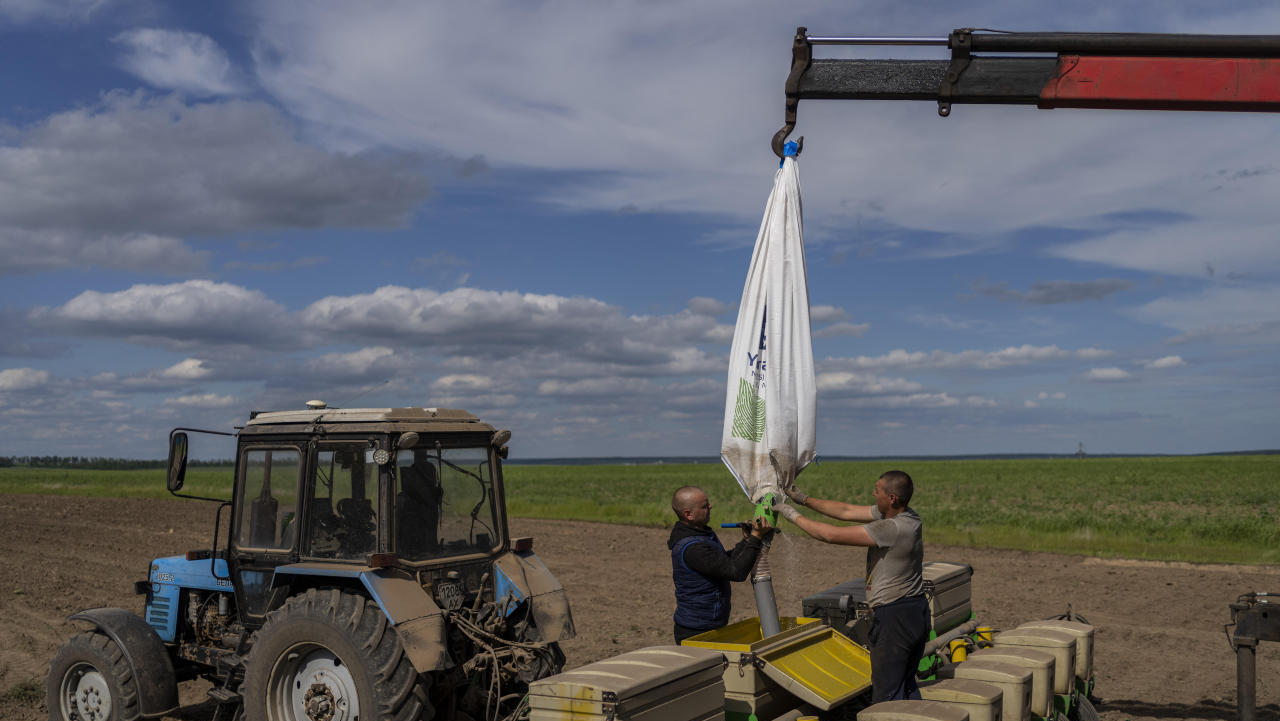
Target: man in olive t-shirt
{"points": [[895, 583]]}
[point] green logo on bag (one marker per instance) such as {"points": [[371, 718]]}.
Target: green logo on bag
{"points": [[748, 413]]}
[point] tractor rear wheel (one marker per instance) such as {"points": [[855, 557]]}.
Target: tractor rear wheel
{"points": [[330, 655], [91, 680]]}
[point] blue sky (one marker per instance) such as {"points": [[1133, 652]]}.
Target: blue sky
{"points": [[544, 212]]}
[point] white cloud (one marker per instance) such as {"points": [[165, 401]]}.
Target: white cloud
{"points": [[1045, 395], [1215, 308], [205, 400], [837, 330], [912, 400], [1190, 248], [1107, 374], [118, 183], [594, 387], [354, 363], [188, 369], [173, 315], [462, 382], [71, 11], [21, 379], [984, 360], [28, 251], [1030, 404], [535, 86], [178, 60], [863, 383], [709, 306], [827, 314], [1169, 361]]}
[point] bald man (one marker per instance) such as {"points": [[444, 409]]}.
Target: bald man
{"points": [[700, 566], [895, 583]]}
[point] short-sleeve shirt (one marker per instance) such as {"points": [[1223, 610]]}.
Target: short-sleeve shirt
{"points": [[894, 563]]}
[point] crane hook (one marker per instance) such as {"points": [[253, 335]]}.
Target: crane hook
{"points": [[801, 57]]}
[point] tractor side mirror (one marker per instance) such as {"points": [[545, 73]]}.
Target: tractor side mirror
{"points": [[499, 441], [177, 461], [407, 440]]}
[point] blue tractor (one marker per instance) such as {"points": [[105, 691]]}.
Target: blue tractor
{"points": [[365, 574]]}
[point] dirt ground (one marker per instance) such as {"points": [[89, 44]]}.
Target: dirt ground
{"points": [[1161, 652]]}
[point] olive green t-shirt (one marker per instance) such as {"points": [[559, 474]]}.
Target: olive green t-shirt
{"points": [[893, 564]]}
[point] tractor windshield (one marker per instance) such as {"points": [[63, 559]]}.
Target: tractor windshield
{"points": [[444, 503]]}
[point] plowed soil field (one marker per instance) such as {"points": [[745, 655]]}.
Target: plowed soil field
{"points": [[1161, 651]]}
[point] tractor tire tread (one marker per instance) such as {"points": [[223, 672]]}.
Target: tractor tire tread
{"points": [[102, 653], [366, 629]]}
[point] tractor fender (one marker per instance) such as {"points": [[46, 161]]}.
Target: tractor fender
{"points": [[521, 575], [145, 653], [417, 619]]}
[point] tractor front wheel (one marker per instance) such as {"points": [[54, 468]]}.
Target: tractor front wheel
{"points": [[91, 680], [329, 655]]}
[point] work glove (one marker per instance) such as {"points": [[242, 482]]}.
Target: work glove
{"points": [[796, 495], [782, 509]]}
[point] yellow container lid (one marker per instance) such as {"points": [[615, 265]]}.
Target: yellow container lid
{"points": [[743, 635]]}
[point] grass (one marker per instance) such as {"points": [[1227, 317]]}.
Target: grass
{"points": [[1223, 509]]}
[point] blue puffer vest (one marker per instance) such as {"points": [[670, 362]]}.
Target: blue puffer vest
{"points": [[700, 602]]}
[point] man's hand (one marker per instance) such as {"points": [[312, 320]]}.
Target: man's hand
{"points": [[796, 495], [788, 512], [760, 528]]}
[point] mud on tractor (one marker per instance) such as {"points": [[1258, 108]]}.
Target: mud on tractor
{"points": [[367, 574]]}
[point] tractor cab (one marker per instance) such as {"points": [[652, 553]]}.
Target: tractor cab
{"points": [[373, 488]]}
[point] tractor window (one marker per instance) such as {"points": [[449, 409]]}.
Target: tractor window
{"points": [[444, 503], [342, 515], [270, 488]]}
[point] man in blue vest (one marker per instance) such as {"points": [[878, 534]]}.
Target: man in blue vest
{"points": [[700, 566]]}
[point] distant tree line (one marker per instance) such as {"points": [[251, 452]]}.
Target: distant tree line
{"points": [[96, 463]]}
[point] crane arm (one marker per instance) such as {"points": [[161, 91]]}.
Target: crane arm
{"points": [[1126, 71]]}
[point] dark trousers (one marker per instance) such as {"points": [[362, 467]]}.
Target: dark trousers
{"points": [[683, 632], [898, 633]]}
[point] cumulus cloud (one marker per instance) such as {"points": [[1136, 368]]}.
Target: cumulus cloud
{"points": [[173, 315], [116, 184], [174, 59], [1169, 361], [506, 323], [189, 369], [1107, 374], [827, 314], [21, 379], [462, 382], [203, 400], [353, 364], [1045, 395], [862, 383], [1052, 292], [984, 360], [595, 387], [1219, 308], [27, 251], [708, 306]]}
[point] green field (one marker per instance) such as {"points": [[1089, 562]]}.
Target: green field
{"points": [[1188, 508]]}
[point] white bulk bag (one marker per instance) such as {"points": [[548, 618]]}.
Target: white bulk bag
{"points": [[770, 409]]}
